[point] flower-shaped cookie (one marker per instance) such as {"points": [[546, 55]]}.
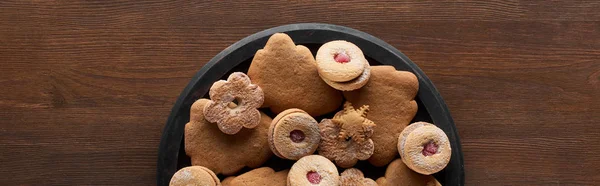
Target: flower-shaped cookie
{"points": [[232, 117], [346, 138], [354, 177]]}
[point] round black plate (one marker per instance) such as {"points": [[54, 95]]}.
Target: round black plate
{"points": [[238, 56]]}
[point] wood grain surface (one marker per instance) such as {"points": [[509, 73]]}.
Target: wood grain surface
{"points": [[86, 86]]}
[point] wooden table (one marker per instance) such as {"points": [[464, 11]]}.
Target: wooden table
{"points": [[87, 85]]}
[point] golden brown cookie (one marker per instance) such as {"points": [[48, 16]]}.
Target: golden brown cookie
{"points": [[225, 154], [294, 134], [340, 61], [313, 170], [227, 181], [424, 148], [390, 95], [354, 177], [346, 138], [238, 88], [288, 77], [397, 173], [194, 176], [263, 176]]}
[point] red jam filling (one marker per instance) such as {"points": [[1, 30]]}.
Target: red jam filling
{"points": [[313, 177], [429, 149], [297, 136], [341, 58]]}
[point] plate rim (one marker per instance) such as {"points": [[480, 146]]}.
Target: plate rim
{"points": [[173, 130]]}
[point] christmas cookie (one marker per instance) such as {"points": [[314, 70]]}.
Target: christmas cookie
{"points": [[288, 77], [424, 148], [313, 170], [390, 95], [294, 134], [354, 177], [342, 65], [225, 154], [244, 114], [346, 138]]}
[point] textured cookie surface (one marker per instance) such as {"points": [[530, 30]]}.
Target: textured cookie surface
{"points": [[353, 84], [426, 150], [194, 176], [340, 61], [390, 95], [293, 134], [354, 177], [207, 146], [289, 78], [397, 173], [263, 176], [313, 170]]}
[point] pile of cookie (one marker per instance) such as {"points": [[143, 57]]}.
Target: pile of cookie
{"points": [[228, 132]]}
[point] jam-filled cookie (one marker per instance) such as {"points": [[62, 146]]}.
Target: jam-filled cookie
{"points": [[424, 148], [222, 153], [313, 170], [342, 65], [293, 134], [288, 75], [390, 95]]}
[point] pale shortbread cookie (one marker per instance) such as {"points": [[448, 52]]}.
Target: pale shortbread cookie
{"points": [[353, 84], [340, 61], [194, 176], [426, 149], [313, 170]]}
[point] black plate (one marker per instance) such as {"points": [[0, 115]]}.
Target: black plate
{"points": [[237, 57]]}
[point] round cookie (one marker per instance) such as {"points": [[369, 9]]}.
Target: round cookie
{"points": [[289, 78], [225, 154], [194, 176], [353, 84], [340, 61], [397, 173], [426, 149], [313, 170], [293, 134], [390, 95], [245, 114], [354, 177], [407, 130]]}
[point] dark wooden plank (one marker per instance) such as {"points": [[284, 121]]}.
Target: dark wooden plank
{"points": [[88, 85]]}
